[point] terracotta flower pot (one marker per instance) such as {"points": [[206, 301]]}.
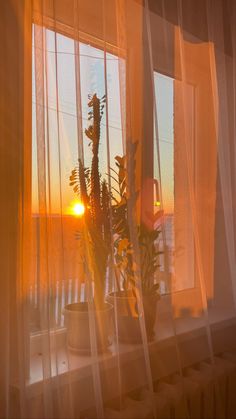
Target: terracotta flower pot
{"points": [[78, 328], [129, 330]]}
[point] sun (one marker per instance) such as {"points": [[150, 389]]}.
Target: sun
{"points": [[77, 209]]}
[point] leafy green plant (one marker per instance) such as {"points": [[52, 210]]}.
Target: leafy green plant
{"points": [[93, 192], [149, 255]]}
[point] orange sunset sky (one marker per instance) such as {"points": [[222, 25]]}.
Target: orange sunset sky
{"points": [[62, 154]]}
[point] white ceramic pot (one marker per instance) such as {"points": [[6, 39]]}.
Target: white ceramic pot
{"points": [[78, 328]]}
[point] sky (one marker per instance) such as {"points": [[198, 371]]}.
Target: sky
{"points": [[62, 152]]}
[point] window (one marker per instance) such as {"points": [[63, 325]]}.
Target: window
{"points": [[60, 157], [62, 79], [164, 88], [177, 262]]}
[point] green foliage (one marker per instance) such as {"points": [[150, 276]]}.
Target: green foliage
{"points": [[149, 255], [93, 193]]}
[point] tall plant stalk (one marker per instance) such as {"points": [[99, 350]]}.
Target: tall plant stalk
{"points": [[93, 192]]}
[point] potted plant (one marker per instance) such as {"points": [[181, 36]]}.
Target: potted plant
{"points": [[95, 238], [125, 298]]}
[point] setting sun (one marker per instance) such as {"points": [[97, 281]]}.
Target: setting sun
{"points": [[77, 209]]}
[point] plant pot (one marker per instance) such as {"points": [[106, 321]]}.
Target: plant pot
{"points": [[129, 330], [78, 328]]}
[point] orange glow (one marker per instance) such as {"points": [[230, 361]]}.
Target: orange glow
{"points": [[77, 209]]}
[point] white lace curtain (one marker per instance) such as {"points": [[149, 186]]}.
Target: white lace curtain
{"points": [[159, 79]]}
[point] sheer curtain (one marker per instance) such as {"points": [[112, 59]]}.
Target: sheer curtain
{"points": [[125, 261]]}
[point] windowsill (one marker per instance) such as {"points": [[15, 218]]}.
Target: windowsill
{"points": [[192, 340]]}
